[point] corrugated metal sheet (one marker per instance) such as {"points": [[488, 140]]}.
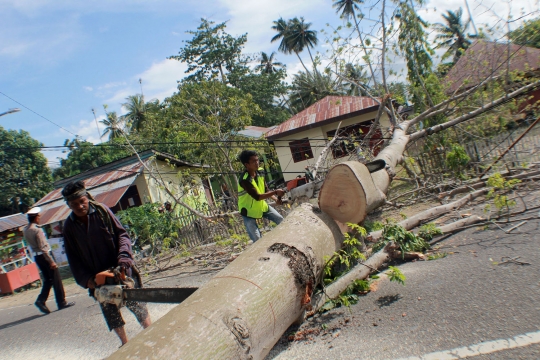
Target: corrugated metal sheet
{"points": [[323, 110], [12, 222], [108, 194], [254, 131], [96, 180], [484, 58]]}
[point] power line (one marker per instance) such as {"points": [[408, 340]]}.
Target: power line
{"points": [[27, 108], [183, 143]]}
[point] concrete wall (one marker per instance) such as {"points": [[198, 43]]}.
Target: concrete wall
{"points": [[284, 152], [152, 191]]}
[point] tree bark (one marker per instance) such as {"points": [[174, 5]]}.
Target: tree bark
{"points": [[245, 308]]}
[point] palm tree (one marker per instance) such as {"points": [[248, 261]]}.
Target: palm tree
{"points": [[113, 126], [268, 65], [348, 10], [307, 89], [301, 37], [355, 73], [136, 111], [453, 34], [283, 29]]}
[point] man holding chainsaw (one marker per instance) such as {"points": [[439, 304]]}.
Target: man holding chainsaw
{"points": [[95, 241], [252, 192]]}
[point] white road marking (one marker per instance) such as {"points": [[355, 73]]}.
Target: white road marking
{"points": [[482, 348]]}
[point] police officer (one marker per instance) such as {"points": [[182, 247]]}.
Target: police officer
{"points": [[35, 237]]}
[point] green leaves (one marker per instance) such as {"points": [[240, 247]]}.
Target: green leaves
{"points": [[84, 155], [24, 175], [212, 53], [394, 274], [146, 224], [406, 240], [457, 159], [498, 182], [528, 34], [428, 231]]}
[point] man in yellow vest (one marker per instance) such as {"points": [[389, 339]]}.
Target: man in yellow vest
{"points": [[252, 192]]}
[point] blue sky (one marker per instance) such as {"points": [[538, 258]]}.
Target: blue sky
{"points": [[62, 58]]}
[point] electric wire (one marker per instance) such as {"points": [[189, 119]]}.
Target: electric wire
{"points": [[41, 116]]}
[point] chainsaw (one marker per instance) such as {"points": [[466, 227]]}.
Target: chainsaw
{"points": [[309, 189], [114, 287]]}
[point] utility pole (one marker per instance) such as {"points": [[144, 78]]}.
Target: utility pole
{"points": [[140, 83], [97, 126], [471, 18]]}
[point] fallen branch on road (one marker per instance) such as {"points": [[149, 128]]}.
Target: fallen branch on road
{"points": [[437, 211]]}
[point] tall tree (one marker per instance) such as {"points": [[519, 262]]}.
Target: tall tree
{"points": [[348, 10], [113, 126], [213, 113], [24, 175], [212, 52], [283, 29], [136, 111], [268, 65], [355, 74], [308, 88], [301, 37], [452, 34], [414, 45], [84, 155]]}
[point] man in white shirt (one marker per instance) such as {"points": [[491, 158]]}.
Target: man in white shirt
{"points": [[35, 237]]}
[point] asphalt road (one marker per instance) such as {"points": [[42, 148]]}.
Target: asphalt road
{"points": [[453, 303], [78, 332], [461, 300]]}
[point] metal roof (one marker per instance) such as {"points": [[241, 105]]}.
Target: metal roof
{"points": [[327, 110], [114, 175], [254, 131], [108, 194], [12, 222], [485, 58], [107, 183]]}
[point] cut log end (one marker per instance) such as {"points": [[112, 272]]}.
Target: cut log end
{"points": [[348, 192]]}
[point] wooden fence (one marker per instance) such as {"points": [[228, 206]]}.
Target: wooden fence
{"points": [[482, 152], [195, 231]]}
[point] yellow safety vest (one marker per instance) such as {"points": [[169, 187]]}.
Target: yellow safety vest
{"points": [[254, 208]]}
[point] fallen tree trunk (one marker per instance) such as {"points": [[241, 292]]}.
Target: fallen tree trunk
{"points": [[417, 219], [243, 310]]}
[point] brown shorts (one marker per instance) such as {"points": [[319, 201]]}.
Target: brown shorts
{"points": [[113, 317]]}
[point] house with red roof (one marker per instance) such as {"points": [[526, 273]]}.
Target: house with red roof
{"points": [[300, 140], [485, 59], [126, 183]]}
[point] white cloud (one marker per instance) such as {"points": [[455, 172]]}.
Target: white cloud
{"points": [[88, 130], [88, 88], [486, 14], [256, 17], [158, 82]]}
